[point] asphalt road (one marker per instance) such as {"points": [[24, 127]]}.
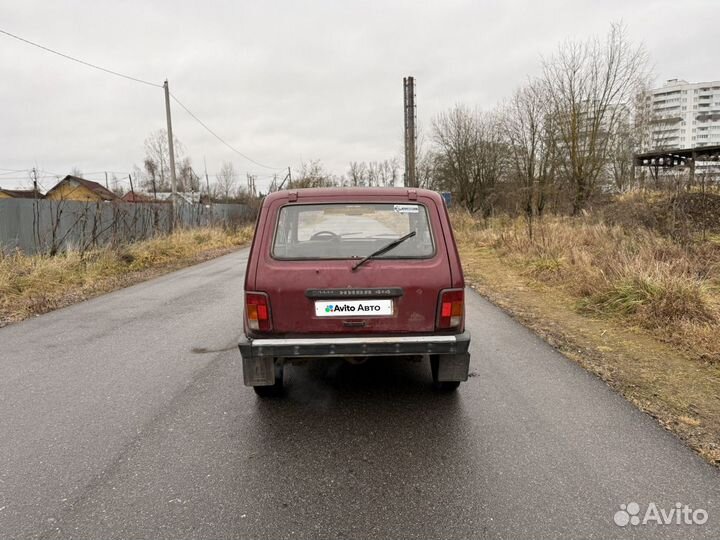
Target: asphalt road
{"points": [[126, 417]]}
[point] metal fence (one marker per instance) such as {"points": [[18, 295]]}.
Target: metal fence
{"points": [[46, 226]]}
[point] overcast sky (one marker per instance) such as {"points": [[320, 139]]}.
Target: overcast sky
{"points": [[287, 81]]}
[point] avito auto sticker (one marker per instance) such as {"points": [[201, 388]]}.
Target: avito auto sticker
{"points": [[360, 307]]}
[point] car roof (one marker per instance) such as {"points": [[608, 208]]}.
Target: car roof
{"points": [[354, 193]]}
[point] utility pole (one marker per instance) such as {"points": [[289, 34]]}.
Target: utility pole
{"points": [[410, 133], [289, 178], [171, 152], [106, 182], [131, 186], [251, 184], [36, 209], [35, 189], [207, 180]]}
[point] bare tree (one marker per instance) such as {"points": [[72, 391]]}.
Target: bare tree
{"points": [[635, 135], [156, 151], [373, 173], [621, 148], [313, 174], [387, 172], [356, 173], [187, 180], [529, 133], [137, 175], [394, 170], [589, 86], [75, 171], [226, 180], [455, 135], [468, 157], [425, 165], [150, 178], [425, 161], [117, 188]]}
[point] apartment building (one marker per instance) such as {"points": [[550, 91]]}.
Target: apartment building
{"points": [[684, 115]]}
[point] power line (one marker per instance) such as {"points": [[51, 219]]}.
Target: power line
{"points": [[220, 138], [78, 60], [135, 79], [109, 172], [23, 177]]}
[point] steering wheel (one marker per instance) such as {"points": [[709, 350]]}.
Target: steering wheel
{"points": [[329, 235]]}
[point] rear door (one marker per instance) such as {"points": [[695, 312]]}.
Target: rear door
{"points": [[309, 255]]}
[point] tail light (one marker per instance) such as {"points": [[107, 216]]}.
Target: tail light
{"points": [[452, 308], [257, 311]]}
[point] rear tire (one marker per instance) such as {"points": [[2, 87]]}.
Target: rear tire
{"points": [[272, 390], [441, 386]]}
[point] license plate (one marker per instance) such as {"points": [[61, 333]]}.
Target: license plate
{"points": [[353, 308]]}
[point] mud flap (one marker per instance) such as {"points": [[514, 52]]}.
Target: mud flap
{"points": [[453, 367], [258, 371]]}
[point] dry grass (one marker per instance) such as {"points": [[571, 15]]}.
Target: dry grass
{"points": [[30, 285], [681, 215], [637, 309], [635, 275]]}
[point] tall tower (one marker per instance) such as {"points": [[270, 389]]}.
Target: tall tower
{"points": [[410, 134]]}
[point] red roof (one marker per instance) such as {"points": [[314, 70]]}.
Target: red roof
{"points": [[133, 196]]}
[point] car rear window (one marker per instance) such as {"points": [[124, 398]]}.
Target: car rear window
{"points": [[347, 231]]}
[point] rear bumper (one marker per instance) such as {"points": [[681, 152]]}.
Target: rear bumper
{"points": [[355, 346], [260, 355]]}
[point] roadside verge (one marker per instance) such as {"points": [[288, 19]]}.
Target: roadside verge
{"points": [[32, 285], [682, 393]]}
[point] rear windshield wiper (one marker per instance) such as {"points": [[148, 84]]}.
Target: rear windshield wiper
{"points": [[384, 249]]}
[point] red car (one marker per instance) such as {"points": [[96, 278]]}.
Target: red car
{"points": [[353, 273]]}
